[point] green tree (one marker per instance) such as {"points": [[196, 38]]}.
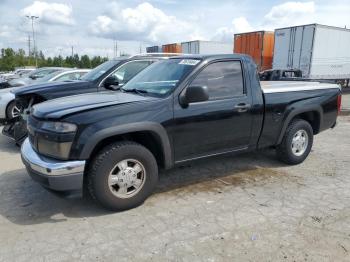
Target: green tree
{"points": [[9, 59], [85, 62], [76, 60], [49, 62], [57, 61]]}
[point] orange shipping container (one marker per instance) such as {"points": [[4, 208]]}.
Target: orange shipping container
{"points": [[259, 45], [172, 48]]}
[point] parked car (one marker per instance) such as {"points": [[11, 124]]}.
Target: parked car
{"points": [[175, 111], [15, 74], [280, 75], [30, 77], [8, 108], [64, 75], [111, 75]]}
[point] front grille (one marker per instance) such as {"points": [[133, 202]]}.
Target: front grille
{"points": [[33, 122]]}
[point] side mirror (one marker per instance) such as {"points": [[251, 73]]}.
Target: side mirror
{"points": [[194, 94], [112, 83]]}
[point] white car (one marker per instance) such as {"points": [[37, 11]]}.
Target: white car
{"points": [[8, 108], [15, 74]]}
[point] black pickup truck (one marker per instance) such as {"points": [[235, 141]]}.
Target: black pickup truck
{"points": [[110, 75], [174, 111]]}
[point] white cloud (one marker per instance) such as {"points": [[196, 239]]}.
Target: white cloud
{"points": [[5, 31], [50, 13], [142, 23], [290, 13], [279, 16], [239, 25], [224, 34]]}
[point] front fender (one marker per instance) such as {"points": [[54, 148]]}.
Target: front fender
{"points": [[155, 128]]}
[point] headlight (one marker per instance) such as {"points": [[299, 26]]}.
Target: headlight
{"points": [[54, 149], [59, 127]]}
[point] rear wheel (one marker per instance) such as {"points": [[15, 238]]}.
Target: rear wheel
{"points": [[13, 110], [122, 175], [296, 143]]}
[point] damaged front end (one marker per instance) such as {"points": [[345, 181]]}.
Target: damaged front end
{"points": [[16, 128]]}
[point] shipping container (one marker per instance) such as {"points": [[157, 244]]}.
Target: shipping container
{"points": [[172, 48], [259, 45], [154, 49], [206, 47], [319, 51]]}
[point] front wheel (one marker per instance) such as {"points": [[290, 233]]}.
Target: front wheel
{"points": [[296, 143], [122, 176], [13, 110]]}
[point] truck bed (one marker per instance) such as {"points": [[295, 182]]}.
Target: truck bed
{"points": [[290, 86], [282, 98]]}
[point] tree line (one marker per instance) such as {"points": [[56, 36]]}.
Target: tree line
{"points": [[10, 58]]}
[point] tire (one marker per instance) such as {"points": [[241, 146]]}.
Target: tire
{"points": [[11, 109], [109, 164], [293, 153]]}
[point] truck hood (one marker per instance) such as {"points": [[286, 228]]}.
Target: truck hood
{"points": [[61, 107], [48, 86]]}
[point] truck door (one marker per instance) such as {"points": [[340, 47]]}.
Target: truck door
{"points": [[221, 124]]}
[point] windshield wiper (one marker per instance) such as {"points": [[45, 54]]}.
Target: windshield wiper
{"points": [[135, 90]]}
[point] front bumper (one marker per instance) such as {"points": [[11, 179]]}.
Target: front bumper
{"points": [[51, 173]]}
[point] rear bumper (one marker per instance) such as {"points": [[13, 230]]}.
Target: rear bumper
{"points": [[51, 173]]}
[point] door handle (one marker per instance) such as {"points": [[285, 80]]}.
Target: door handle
{"points": [[242, 107]]}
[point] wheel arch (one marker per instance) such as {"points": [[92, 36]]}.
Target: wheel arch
{"points": [[151, 135], [312, 115]]}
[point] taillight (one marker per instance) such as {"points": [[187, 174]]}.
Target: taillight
{"points": [[339, 103]]}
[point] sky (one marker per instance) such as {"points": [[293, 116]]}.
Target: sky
{"points": [[92, 27]]}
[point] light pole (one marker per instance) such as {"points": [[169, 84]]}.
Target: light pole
{"points": [[33, 17]]}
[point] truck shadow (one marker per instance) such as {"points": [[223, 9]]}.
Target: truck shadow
{"points": [[24, 202]]}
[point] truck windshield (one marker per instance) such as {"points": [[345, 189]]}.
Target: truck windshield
{"points": [[100, 70], [162, 77]]}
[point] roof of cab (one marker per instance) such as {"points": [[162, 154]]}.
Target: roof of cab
{"points": [[212, 57]]}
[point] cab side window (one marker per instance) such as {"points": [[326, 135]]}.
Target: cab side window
{"points": [[129, 70], [223, 80]]}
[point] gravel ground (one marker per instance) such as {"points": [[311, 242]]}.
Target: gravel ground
{"points": [[243, 208]]}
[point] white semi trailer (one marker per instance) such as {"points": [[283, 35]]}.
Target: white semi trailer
{"points": [[206, 47], [320, 52]]}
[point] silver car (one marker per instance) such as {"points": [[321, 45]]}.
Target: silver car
{"points": [[8, 108]]}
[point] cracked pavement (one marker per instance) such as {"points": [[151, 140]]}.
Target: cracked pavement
{"points": [[248, 208]]}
